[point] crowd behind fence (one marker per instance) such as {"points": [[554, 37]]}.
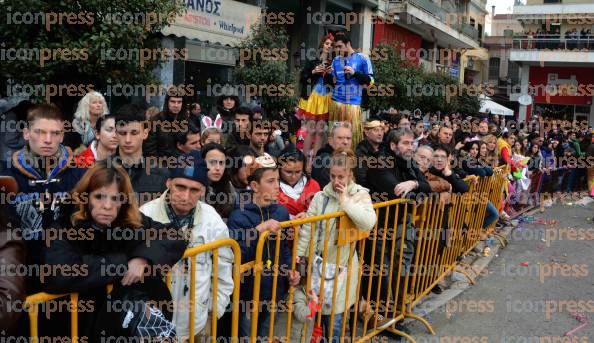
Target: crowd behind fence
{"points": [[386, 292]]}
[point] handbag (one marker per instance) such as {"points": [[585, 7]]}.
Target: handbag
{"points": [[331, 271], [140, 317]]}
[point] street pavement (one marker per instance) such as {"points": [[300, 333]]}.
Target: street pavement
{"points": [[533, 291]]}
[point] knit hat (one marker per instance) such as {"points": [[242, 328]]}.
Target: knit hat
{"points": [[192, 167]]}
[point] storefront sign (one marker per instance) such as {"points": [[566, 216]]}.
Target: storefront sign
{"points": [[218, 21]]}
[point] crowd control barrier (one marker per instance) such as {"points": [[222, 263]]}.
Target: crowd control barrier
{"points": [[211, 249], [389, 269]]}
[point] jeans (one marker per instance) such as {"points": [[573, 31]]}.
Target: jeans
{"points": [[571, 177], [245, 324], [491, 215], [336, 327]]}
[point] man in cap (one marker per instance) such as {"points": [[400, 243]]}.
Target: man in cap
{"points": [[368, 150], [181, 207]]}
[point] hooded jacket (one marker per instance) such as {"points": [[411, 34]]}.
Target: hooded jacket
{"points": [[242, 227], [207, 227], [226, 114], [99, 257], [359, 209], [35, 215], [163, 127]]}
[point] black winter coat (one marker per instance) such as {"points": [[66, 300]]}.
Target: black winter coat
{"points": [[98, 257], [161, 139], [320, 169], [148, 183], [367, 158]]}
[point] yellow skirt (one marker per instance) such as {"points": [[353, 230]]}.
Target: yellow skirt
{"points": [[315, 107], [352, 114]]}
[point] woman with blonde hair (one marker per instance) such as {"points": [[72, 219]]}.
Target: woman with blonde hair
{"points": [[113, 246], [490, 155], [340, 194], [89, 109]]}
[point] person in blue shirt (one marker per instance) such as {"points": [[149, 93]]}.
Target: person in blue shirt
{"points": [[246, 222], [351, 71]]}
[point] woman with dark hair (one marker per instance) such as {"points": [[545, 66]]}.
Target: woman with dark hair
{"points": [[471, 163], [113, 247], [536, 162], [296, 189], [226, 106], [240, 157], [220, 193], [316, 83]]}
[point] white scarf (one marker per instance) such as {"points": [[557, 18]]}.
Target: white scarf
{"points": [[294, 192], [94, 149]]}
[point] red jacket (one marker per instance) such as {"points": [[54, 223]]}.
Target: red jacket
{"points": [[85, 159], [300, 205]]}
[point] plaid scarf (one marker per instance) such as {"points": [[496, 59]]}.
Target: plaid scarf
{"points": [[183, 223], [180, 222]]}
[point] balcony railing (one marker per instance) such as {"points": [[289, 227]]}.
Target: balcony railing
{"points": [[443, 15], [555, 43], [469, 30], [431, 7]]}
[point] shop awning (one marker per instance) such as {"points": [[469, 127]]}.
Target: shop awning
{"points": [[488, 105], [225, 22]]}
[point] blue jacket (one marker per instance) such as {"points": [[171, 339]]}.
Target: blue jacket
{"points": [[34, 218], [242, 227]]}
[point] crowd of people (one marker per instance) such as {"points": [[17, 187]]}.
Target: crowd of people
{"points": [[116, 198], [553, 39]]}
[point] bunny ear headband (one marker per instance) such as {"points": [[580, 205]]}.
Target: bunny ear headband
{"points": [[209, 124]]}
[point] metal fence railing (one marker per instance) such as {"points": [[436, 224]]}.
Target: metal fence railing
{"points": [[390, 268]]}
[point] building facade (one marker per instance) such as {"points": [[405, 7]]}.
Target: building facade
{"points": [[441, 35], [503, 74], [556, 59]]}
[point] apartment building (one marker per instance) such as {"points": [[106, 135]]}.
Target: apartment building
{"points": [[555, 54], [439, 35]]}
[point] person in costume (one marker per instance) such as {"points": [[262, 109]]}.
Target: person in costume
{"points": [[316, 91], [351, 71]]}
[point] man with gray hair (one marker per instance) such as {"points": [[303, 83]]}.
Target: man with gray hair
{"points": [[341, 136]]}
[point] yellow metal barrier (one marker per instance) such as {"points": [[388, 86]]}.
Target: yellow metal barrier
{"points": [[213, 247], [386, 290], [32, 306], [33, 301]]}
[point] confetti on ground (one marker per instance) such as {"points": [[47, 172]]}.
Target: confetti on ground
{"points": [[581, 319]]}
